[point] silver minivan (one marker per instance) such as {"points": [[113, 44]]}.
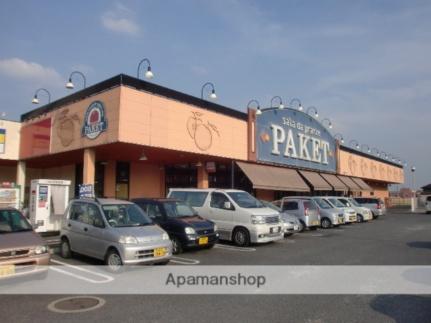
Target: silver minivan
{"points": [[115, 231], [304, 208], [376, 205], [330, 216], [349, 213], [363, 214]]}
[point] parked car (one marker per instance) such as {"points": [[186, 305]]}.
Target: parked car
{"points": [[115, 231], [349, 213], [376, 205], [22, 251], [291, 224], [330, 216], [239, 217], [428, 204], [304, 209], [363, 214], [185, 227]]}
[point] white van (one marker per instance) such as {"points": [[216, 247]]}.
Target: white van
{"points": [[240, 217]]}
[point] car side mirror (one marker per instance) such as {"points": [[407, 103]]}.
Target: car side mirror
{"points": [[227, 205]]}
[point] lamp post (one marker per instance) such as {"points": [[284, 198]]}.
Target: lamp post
{"points": [[368, 148], [212, 94], [339, 136], [280, 105], [35, 98], [70, 85], [313, 108], [413, 169], [329, 122], [298, 101], [149, 73], [258, 111], [355, 142]]}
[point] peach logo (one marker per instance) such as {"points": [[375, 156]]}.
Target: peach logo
{"points": [[265, 137], [65, 126], [201, 131]]}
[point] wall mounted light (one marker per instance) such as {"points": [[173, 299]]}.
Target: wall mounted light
{"points": [[258, 111], [298, 101], [280, 105], [367, 147], [212, 95], [354, 142], [329, 122], [313, 108], [36, 99], [339, 137], [70, 85], [149, 73]]}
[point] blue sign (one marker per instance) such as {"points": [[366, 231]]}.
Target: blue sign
{"points": [[294, 138], [94, 121], [86, 191]]}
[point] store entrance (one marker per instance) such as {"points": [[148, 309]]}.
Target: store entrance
{"points": [[180, 175]]}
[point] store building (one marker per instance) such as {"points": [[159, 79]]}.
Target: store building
{"points": [[130, 138]]}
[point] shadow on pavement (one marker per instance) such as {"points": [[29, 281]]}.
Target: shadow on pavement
{"points": [[403, 308], [420, 244]]}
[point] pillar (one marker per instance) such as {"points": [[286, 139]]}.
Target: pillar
{"points": [[202, 177], [20, 180], [89, 166]]}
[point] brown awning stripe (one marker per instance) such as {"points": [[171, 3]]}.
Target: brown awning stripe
{"points": [[273, 178], [350, 183], [335, 182], [364, 186], [317, 181]]}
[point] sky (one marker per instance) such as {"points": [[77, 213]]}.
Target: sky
{"points": [[365, 65]]}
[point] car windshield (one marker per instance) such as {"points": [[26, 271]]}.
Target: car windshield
{"points": [[245, 200], [194, 199], [125, 215], [352, 201], [336, 203], [271, 206], [178, 209], [13, 221], [323, 204]]}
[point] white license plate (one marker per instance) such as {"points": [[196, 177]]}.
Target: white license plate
{"points": [[274, 230], [295, 227]]}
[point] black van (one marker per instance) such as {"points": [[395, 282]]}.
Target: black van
{"points": [[184, 226]]}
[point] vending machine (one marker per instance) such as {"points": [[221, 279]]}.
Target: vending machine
{"points": [[9, 195], [48, 201]]}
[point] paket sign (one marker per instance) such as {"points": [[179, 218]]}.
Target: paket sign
{"points": [[294, 138]]}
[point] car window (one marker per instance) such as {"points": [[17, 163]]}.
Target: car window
{"points": [[290, 205], [178, 209], [218, 200], [78, 212], [13, 221], [94, 216], [360, 200], [336, 203], [125, 215], [429, 199], [194, 199], [353, 202], [154, 211], [323, 204], [345, 202], [310, 205], [245, 200]]}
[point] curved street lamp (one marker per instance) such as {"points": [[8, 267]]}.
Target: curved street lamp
{"points": [[149, 73], [353, 141], [258, 111], [312, 108], [70, 85], [36, 100], [340, 137], [280, 105], [212, 95], [298, 101], [368, 148], [329, 122]]}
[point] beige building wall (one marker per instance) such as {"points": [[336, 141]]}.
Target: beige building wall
{"points": [[12, 139], [146, 180], [156, 121]]}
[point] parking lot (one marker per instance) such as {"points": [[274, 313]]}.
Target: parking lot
{"points": [[396, 239]]}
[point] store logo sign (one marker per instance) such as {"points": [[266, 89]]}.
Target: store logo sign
{"points": [[2, 140], [294, 138], [94, 121]]}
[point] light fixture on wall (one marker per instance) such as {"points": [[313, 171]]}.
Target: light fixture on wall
{"points": [[35, 98], [280, 105], [70, 85], [199, 164], [212, 95], [149, 73], [313, 108], [329, 122], [355, 142], [258, 111], [298, 101], [143, 156], [339, 136]]}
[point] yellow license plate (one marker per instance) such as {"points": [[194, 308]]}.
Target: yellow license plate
{"points": [[7, 270], [203, 240], [159, 252]]}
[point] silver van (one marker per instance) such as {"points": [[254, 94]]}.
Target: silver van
{"points": [[363, 214], [304, 208], [376, 205], [349, 213], [290, 222], [115, 231], [330, 216]]}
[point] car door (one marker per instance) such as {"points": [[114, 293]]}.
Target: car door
{"points": [[222, 216], [95, 234], [75, 226]]}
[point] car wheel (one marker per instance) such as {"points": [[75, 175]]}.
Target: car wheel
{"points": [[113, 261], [326, 223], [360, 218], [241, 237], [301, 226], [176, 246], [65, 250]]}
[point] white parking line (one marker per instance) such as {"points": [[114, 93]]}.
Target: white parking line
{"points": [[317, 235], [233, 248], [184, 261], [107, 278]]}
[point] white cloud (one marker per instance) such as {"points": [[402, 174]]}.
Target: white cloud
{"points": [[18, 68], [121, 20]]}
